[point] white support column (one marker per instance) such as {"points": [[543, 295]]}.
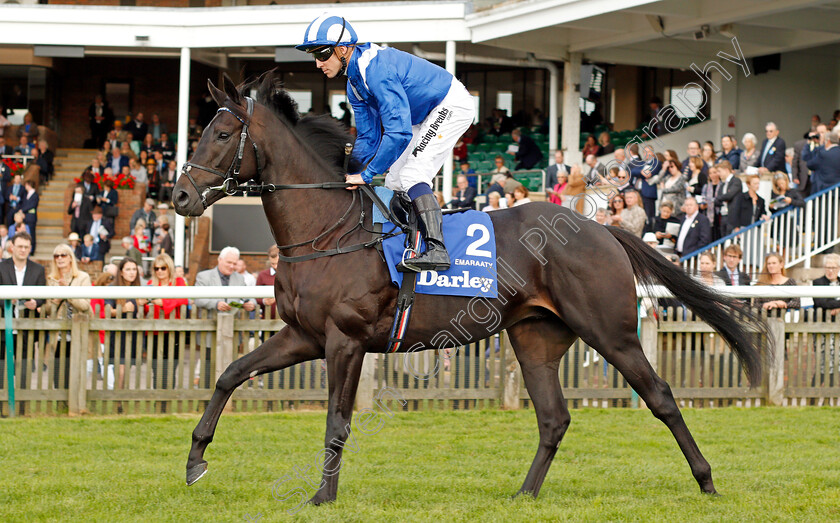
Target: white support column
{"points": [[447, 165], [724, 104], [183, 144], [553, 81], [571, 108]]}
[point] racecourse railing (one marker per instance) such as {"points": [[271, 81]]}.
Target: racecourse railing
{"points": [[796, 233], [106, 363]]}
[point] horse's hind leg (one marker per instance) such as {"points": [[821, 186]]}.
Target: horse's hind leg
{"points": [[284, 349], [539, 344], [623, 350]]}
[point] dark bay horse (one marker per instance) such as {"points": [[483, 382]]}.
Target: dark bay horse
{"points": [[561, 277]]}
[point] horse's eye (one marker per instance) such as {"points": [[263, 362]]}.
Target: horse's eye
{"points": [[224, 136]]}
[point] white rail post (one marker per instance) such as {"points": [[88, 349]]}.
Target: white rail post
{"points": [[364, 393], [809, 220], [776, 372], [224, 346], [447, 166], [511, 377], [77, 383], [183, 144]]}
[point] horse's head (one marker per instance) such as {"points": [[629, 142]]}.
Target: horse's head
{"points": [[226, 156]]}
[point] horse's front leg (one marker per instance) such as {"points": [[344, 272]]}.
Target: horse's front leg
{"points": [[286, 348], [344, 366]]}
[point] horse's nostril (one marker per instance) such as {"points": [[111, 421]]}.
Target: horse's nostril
{"points": [[181, 198]]}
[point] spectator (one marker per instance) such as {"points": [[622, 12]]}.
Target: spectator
{"points": [[91, 191], [730, 189], [21, 271], [633, 217], [118, 161], [695, 231], [127, 152], [168, 178], [650, 239], [29, 207], [600, 216], [730, 274], [459, 152], [139, 240], [708, 155], [595, 171], [439, 197], [510, 183], [673, 187], [99, 222], [179, 272], [519, 197], [464, 195], [773, 273], [162, 242], [130, 251], [783, 195], [707, 274], [136, 169], [242, 268], [14, 195], [100, 117], [729, 151], [29, 129], [77, 203], [556, 191], [499, 170], [573, 189], [90, 250], [163, 275], [772, 151], [224, 274], [553, 174], [138, 128], [824, 162], [642, 171], [65, 273], [5, 241], [148, 146], [24, 147], [156, 128], [113, 142], [748, 207], [166, 148], [749, 156], [4, 122], [127, 276], [152, 179], [494, 202], [108, 200], [697, 178], [606, 145], [5, 149], [19, 226], [591, 146], [266, 277], [75, 243], [694, 150], [667, 238], [528, 155], [616, 207], [620, 179], [46, 158], [830, 306], [707, 201], [147, 214]]}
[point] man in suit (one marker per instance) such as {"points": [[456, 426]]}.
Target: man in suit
{"points": [[5, 149], [97, 223], [730, 188], [595, 172], [465, 195], [830, 306], [147, 214], [20, 270], [223, 274], [118, 161], [100, 116], [29, 207], [553, 170], [772, 153], [528, 154], [138, 128], [799, 171], [14, 197], [824, 161], [695, 231], [166, 147], [729, 273]]}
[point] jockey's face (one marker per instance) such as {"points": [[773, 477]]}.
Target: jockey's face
{"points": [[331, 67]]}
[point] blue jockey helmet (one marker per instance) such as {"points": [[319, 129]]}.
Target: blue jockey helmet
{"points": [[328, 30]]}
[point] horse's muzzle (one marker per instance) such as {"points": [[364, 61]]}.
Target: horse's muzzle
{"points": [[184, 205]]}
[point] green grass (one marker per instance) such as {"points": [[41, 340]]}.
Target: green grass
{"points": [[614, 465]]}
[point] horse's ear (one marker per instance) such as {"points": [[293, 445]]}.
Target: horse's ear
{"points": [[232, 91], [217, 94]]}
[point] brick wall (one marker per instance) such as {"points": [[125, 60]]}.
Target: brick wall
{"points": [[130, 201]]}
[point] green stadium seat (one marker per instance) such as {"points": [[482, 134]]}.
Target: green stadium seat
{"points": [[490, 138], [471, 147], [484, 147], [476, 156], [485, 166]]}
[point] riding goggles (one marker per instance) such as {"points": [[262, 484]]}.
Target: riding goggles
{"points": [[323, 54]]}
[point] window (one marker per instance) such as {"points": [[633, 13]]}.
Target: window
{"points": [[687, 101], [337, 97], [504, 100], [303, 99]]}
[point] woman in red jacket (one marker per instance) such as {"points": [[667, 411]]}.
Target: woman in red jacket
{"points": [[163, 275]]}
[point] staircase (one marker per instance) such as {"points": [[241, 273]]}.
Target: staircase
{"points": [[52, 209]]}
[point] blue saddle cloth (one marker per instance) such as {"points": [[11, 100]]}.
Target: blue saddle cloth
{"points": [[471, 242]]}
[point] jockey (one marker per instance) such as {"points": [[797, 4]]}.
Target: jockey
{"points": [[409, 115]]}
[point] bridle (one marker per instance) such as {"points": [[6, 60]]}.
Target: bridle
{"points": [[230, 183]]}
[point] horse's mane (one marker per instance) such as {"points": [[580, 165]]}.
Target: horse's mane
{"points": [[322, 133]]}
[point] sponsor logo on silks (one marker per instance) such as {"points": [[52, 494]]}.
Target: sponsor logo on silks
{"points": [[432, 132], [465, 281]]}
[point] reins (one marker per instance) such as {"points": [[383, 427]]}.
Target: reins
{"points": [[230, 185]]}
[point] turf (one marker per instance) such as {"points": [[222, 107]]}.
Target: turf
{"points": [[770, 464]]}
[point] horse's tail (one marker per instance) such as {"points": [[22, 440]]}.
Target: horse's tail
{"points": [[739, 325]]}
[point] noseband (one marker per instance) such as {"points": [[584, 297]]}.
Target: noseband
{"points": [[230, 182]]}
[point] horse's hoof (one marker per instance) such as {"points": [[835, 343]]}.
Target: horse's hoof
{"points": [[195, 472]]}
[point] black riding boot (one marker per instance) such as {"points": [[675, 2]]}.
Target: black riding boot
{"points": [[430, 218]]}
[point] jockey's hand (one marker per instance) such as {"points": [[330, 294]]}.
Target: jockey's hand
{"points": [[354, 179]]}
